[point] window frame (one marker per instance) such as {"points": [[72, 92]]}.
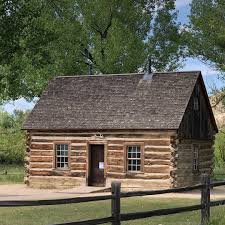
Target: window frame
{"points": [[131, 144], [55, 155], [195, 160], [196, 103]]}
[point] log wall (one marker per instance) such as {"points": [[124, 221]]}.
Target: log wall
{"points": [[183, 173], [161, 166]]}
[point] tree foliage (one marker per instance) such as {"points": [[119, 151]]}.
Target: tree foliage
{"points": [[12, 138], [219, 147], [206, 36], [40, 39]]}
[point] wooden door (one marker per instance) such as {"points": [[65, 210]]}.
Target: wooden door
{"points": [[96, 160]]}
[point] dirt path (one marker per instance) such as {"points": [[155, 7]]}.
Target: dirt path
{"points": [[22, 192]]}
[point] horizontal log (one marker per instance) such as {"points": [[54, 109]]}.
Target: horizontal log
{"points": [[41, 159], [78, 173], [78, 148], [156, 169], [61, 172], [116, 175], [41, 153], [206, 164], [206, 153], [41, 165], [157, 155], [78, 159], [76, 153], [78, 141], [158, 142], [206, 146], [157, 162], [115, 161], [42, 143], [206, 158], [42, 146], [115, 154], [80, 166], [116, 148], [148, 176], [115, 143], [35, 140], [149, 148], [40, 173], [117, 169]]}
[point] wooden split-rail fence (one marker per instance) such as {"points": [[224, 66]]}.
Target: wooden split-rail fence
{"points": [[117, 217]]}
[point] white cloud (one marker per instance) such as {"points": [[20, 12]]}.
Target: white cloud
{"points": [[183, 3], [20, 104]]}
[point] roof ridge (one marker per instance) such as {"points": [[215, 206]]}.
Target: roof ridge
{"points": [[100, 75], [127, 74]]}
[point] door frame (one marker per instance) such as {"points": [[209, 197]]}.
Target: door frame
{"points": [[90, 143]]}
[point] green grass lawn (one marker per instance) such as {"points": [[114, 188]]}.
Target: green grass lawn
{"points": [[44, 215], [219, 173], [11, 174]]}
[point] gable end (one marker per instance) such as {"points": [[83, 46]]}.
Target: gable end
{"points": [[198, 121]]}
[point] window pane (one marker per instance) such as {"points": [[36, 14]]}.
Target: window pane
{"points": [[62, 155], [134, 158]]}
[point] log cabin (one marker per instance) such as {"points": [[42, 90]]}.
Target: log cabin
{"points": [[145, 130]]}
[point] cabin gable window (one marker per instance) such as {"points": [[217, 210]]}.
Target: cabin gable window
{"points": [[196, 104], [195, 158], [134, 158], [62, 156]]}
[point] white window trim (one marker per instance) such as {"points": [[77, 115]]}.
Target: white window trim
{"points": [[60, 156], [133, 158], [196, 103], [195, 161]]}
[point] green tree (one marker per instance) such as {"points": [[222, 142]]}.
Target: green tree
{"points": [[219, 147], [206, 33], [42, 39], [166, 45], [12, 138]]}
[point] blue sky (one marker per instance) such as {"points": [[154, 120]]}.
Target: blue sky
{"points": [[209, 74]]}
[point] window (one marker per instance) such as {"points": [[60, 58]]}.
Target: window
{"points": [[195, 158], [134, 158], [62, 156], [196, 103]]}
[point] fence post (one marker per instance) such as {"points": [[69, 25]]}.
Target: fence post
{"points": [[205, 199], [116, 202]]}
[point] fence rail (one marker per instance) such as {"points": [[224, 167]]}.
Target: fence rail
{"points": [[115, 197]]}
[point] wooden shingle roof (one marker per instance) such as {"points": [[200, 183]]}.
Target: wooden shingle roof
{"points": [[114, 102]]}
